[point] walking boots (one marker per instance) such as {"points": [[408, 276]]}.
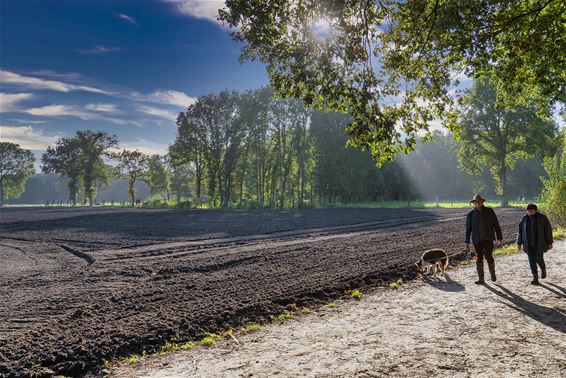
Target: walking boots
{"points": [[480, 280], [492, 271]]}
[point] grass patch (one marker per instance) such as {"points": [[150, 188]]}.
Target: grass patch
{"points": [[131, 359], [187, 346], [331, 305], [254, 327], [285, 315], [506, 250], [210, 339], [305, 310], [356, 294], [396, 284], [169, 346], [559, 233]]}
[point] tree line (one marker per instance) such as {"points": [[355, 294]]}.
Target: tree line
{"points": [[249, 149]]}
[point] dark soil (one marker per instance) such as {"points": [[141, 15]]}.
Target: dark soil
{"points": [[79, 286]]}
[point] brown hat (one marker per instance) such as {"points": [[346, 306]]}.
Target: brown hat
{"points": [[477, 197]]}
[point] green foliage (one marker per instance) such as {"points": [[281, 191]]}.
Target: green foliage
{"points": [[497, 137], [210, 339], [332, 305], [553, 194], [160, 203], [158, 176], [16, 166], [396, 284], [250, 328], [285, 315], [132, 165], [356, 294], [354, 57]]}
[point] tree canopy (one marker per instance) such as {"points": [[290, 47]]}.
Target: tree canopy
{"points": [[394, 65], [16, 165], [498, 137]]}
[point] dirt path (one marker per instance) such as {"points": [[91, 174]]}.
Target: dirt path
{"points": [[445, 327]]}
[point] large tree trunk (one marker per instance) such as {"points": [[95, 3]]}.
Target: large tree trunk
{"points": [[72, 186], [132, 191]]}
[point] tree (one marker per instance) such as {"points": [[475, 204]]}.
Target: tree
{"points": [[132, 166], [190, 148], [65, 160], [16, 166], [392, 64], [158, 175], [93, 146], [553, 194], [498, 137]]}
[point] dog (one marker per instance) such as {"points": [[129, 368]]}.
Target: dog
{"points": [[431, 260]]}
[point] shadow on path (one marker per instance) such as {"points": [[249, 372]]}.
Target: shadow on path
{"points": [[546, 315], [554, 291], [558, 287], [449, 285]]}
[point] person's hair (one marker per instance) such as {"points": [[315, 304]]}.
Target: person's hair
{"points": [[531, 206]]}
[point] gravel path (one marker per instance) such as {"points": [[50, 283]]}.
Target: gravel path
{"points": [[445, 327]]}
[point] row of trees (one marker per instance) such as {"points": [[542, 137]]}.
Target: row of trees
{"points": [[249, 149]]}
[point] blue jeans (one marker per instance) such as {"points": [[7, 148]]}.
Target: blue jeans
{"points": [[535, 258]]}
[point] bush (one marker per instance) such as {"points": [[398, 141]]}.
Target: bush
{"points": [[553, 196], [160, 203], [155, 203]]}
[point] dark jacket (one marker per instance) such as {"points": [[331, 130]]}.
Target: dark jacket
{"points": [[544, 233], [491, 224]]}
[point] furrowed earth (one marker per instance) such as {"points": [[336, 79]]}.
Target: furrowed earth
{"points": [[79, 286]]}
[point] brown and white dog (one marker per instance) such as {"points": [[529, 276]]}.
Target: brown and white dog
{"points": [[431, 260]]}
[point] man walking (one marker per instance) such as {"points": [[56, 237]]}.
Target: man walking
{"points": [[535, 237], [481, 222]]}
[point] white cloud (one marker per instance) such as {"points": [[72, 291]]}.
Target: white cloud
{"points": [[204, 9], [7, 77], [100, 50], [160, 113], [59, 111], [27, 121], [145, 146], [170, 97], [129, 19], [103, 108], [28, 137], [9, 101]]}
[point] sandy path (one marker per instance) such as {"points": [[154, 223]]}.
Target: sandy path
{"points": [[445, 327]]}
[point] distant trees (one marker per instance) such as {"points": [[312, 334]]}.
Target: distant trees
{"points": [[64, 159], [132, 166], [80, 159], [93, 146], [16, 165], [158, 175], [498, 137]]}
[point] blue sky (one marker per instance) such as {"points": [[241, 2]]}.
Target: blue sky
{"points": [[127, 67]]}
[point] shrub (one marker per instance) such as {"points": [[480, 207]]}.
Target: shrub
{"points": [[553, 196]]}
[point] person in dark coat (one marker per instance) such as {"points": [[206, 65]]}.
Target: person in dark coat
{"points": [[482, 227], [535, 238]]}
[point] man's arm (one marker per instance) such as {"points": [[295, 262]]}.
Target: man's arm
{"points": [[468, 228], [497, 227]]}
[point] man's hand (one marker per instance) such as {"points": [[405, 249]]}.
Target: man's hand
{"points": [[468, 247], [498, 242], [519, 247], [549, 247]]}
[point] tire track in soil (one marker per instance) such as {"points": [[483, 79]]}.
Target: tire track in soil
{"points": [[119, 307]]}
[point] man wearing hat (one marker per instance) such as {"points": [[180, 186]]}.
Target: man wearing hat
{"points": [[535, 238], [482, 226]]}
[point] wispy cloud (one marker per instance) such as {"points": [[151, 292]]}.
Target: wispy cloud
{"points": [[158, 112], [9, 101], [103, 108], [100, 50], [31, 82], [128, 19], [60, 111], [26, 121], [145, 146], [204, 9], [168, 97], [28, 137]]}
